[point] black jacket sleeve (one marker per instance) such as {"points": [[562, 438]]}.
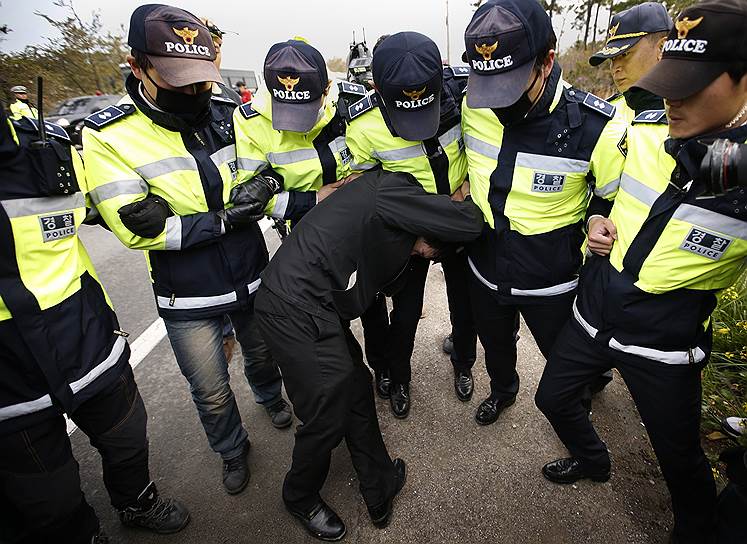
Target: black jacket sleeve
{"points": [[407, 206]]}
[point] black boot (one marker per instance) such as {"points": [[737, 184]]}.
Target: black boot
{"points": [[381, 514], [236, 472], [399, 399], [383, 384], [155, 513], [464, 386], [281, 415]]}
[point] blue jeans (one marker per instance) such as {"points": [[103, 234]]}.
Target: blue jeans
{"points": [[198, 346]]}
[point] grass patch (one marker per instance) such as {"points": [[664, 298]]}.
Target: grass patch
{"points": [[725, 377]]}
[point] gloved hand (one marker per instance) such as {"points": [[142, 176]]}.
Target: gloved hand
{"points": [[241, 215], [258, 190], [146, 218], [250, 199]]}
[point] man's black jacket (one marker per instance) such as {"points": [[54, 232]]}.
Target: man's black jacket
{"points": [[352, 244]]}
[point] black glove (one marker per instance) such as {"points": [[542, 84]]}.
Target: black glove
{"points": [[146, 218], [241, 215], [250, 199], [258, 190]]}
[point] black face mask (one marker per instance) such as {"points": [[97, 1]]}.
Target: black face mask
{"points": [[190, 107], [24, 100], [519, 109]]}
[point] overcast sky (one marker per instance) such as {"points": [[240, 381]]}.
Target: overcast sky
{"points": [[327, 24]]}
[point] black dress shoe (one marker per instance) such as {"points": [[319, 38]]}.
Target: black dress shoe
{"points": [[383, 384], [321, 522], [381, 514], [236, 472], [491, 408], [570, 469], [448, 345], [463, 385], [399, 399]]}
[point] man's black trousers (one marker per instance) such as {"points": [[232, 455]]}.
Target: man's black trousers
{"points": [[390, 339], [498, 328], [668, 398], [40, 495], [330, 388]]}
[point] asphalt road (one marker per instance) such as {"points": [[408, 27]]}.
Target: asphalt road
{"points": [[466, 484]]}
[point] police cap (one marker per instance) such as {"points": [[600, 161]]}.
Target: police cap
{"points": [[629, 26], [502, 41], [19, 89], [296, 76], [706, 40], [176, 42], [408, 74]]}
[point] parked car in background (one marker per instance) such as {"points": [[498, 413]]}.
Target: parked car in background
{"points": [[71, 113]]}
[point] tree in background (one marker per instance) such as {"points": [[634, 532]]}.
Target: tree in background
{"points": [[337, 64], [83, 60]]}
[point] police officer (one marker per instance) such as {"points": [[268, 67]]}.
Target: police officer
{"points": [[21, 107], [535, 147], [412, 124], [646, 308], [219, 87], [62, 351], [634, 41], [163, 166], [293, 126], [347, 249]]}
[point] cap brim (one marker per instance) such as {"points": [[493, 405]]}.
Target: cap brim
{"points": [[675, 79], [415, 126], [179, 72], [498, 90], [620, 47], [295, 117]]}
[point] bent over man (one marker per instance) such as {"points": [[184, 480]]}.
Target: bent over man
{"points": [[349, 248]]}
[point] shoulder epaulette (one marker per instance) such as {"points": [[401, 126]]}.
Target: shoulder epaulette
{"points": [[599, 105], [348, 87], [247, 111], [107, 116], [363, 105], [28, 124], [651, 116], [459, 71]]}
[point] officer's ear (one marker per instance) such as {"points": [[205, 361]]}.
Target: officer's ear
{"points": [[548, 63], [329, 85], [136, 70], [660, 47]]}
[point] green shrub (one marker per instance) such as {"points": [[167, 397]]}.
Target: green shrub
{"points": [[725, 378]]}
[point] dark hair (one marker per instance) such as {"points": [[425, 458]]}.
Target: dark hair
{"points": [[141, 59], [240, 84], [737, 70], [552, 43]]}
